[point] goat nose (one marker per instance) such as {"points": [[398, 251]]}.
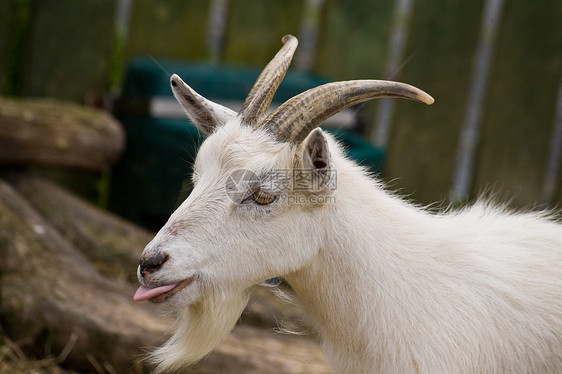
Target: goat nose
{"points": [[150, 264]]}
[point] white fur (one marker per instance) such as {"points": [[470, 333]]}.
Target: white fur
{"points": [[391, 287]]}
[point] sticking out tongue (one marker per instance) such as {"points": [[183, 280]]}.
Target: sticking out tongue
{"points": [[145, 293]]}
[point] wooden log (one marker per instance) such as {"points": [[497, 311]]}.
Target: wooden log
{"points": [[52, 297], [45, 132], [110, 243]]}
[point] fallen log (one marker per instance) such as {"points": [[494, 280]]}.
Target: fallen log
{"points": [[110, 243], [47, 132], [52, 296]]}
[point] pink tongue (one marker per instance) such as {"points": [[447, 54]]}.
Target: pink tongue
{"points": [[144, 293]]}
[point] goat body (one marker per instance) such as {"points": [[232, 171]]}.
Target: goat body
{"points": [[390, 286], [396, 289]]}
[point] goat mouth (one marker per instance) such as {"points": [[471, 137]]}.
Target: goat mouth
{"points": [[161, 293]]}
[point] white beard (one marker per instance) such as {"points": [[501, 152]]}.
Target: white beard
{"points": [[197, 329]]}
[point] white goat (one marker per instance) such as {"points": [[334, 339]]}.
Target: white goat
{"points": [[391, 287]]}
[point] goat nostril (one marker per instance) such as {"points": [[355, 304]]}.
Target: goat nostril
{"points": [[152, 263]]}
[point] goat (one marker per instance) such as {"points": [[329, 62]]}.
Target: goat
{"points": [[391, 287]]}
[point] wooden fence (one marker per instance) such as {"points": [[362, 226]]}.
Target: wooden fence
{"points": [[74, 49]]}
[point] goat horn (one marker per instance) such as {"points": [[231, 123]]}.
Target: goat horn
{"points": [[298, 116], [257, 103]]}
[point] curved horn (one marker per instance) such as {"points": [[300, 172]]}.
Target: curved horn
{"points": [[298, 116], [257, 103]]}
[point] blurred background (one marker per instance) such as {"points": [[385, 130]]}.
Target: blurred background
{"points": [[493, 66]]}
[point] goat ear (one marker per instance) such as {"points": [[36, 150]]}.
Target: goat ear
{"points": [[316, 153], [317, 159], [203, 113]]}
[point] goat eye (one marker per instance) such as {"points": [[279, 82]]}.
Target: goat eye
{"points": [[263, 198]]}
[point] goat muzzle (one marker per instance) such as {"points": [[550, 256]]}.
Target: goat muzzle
{"points": [[150, 264]]}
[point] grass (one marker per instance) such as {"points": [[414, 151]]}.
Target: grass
{"points": [[14, 361]]}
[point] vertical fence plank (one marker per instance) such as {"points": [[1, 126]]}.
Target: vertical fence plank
{"points": [[396, 48], [462, 178], [308, 34], [423, 140], [216, 28], [15, 18], [552, 171], [351, 45], [68, 48], [256, 28], [168, 29], [517, 125]]}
